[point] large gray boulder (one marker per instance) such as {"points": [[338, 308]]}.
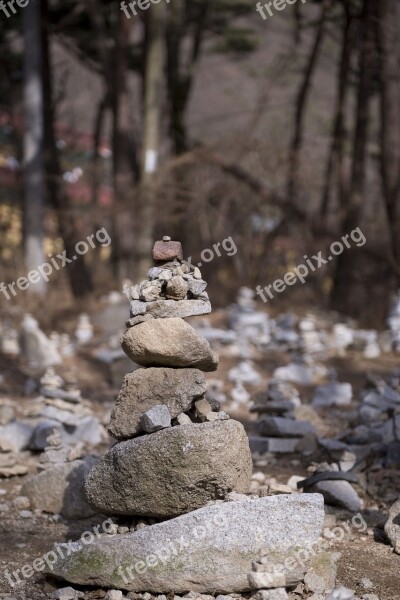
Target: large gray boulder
{"points": [[59, 489], [208, 551], [145, 388], [168, 343], [172, 471]]}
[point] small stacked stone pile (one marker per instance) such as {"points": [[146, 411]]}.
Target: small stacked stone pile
{"points": [[268, 580], [394, 322], [176, 451], [278, 428], [171, 280]]}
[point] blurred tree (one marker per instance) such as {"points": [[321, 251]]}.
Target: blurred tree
{"points": [[348, 288], [156, 20], [34, 187], [68, 221], [389, 79]]}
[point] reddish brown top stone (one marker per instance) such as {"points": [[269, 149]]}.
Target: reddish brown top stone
{"points": [[167, 251]]}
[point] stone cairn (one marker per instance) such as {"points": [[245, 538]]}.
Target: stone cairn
{"points": [[168, 396], [179, 460]]}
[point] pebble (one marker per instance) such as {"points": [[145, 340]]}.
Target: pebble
{"points": [[276, 594], [177, 288], [25, 514], [114, 595], [260, 581], [202, 409], [183, 419], [67, 593], [366, 583], [122, 530], [341, 593], [156, 418], [22, 503]]}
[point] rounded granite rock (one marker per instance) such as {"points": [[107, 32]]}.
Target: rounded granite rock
{"points": [[173, 471]]}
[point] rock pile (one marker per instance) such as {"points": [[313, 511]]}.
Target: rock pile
{"points": [[162, 419], [181, 460], [279, 429]]}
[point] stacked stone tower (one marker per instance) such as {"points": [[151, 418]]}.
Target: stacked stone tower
{"points": [[176, 451], [182, 461]]}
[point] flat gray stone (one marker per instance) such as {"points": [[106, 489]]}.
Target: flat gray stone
{"points": [[277, 445], [18, 433], [155, 419], [392, 527], [168, 343], [337, 493], [42, 432], [286, 428], [137, 308], [276, 594], [208, 551], [172, 471], [145, 388], [60, 489], [162, 309]]}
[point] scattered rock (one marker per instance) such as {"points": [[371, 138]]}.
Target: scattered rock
{"points": [[183, 419], [177, 288], [60, 489], [156, 418], [203, 409], [337, 493], [114, 595], [259, 581], [18, 433], [276, 594], [341, 593], [321, 576], [392, 527], [67, 593], [286, 428]]}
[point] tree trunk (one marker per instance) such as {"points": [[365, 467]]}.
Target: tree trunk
{"points": [[336, 153], [125, 166], [301, 104], [69, 227], [349, 291], [153, 85], [33, 142], [390, 121]]}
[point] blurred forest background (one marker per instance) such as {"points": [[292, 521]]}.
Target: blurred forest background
{"points": [[282, 133]]}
